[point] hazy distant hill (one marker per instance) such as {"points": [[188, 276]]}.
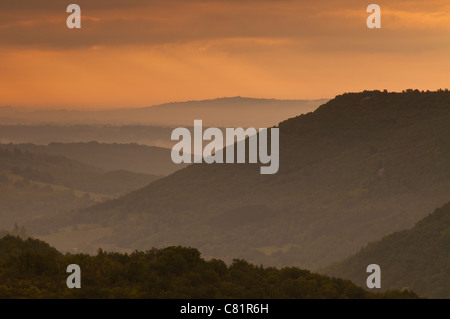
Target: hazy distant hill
{"points": [[418, 258], [359, 167], [34, 185], [62, 171], [235, 111], [150, 126], [132, 157], [45, 134]]}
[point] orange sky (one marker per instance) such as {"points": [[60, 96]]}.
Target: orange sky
{"points": [[139, 53]]}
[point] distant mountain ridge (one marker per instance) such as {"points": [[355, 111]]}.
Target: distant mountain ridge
{"points": [[235, 111], [359, 167], [109, 134]]}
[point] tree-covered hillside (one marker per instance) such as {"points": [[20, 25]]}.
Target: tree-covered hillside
{"points": [[32, 269], [359, 167], [418, 258]]}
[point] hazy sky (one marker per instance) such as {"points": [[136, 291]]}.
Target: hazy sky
{"points": [[138, 53]]}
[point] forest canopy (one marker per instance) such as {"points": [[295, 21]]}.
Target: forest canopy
{"points": [[30, 268]]}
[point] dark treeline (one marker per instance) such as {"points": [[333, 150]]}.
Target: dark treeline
{"points": [[32, 269]]}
